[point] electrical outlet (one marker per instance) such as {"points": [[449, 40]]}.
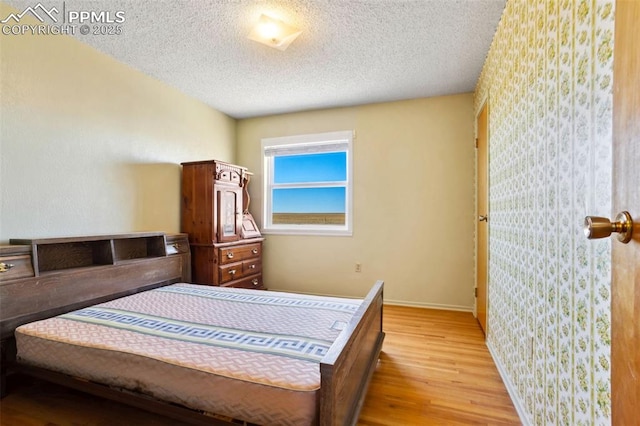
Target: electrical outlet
{"points": [[358, 267]]}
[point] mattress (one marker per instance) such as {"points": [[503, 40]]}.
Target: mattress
{"points": [[246, 354]]}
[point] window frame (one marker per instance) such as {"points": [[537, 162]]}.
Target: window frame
{"points": [[340, 141]]}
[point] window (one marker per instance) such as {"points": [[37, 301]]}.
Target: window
{"points": [[307, 184]]}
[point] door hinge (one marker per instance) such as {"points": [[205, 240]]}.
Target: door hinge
{"points": [[475, 292], [476, 143]]}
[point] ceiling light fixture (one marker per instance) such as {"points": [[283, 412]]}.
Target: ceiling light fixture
{"points": [[273, 32]]}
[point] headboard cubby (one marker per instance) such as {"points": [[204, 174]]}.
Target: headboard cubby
{"points": [[56, 254], [139, 248]]}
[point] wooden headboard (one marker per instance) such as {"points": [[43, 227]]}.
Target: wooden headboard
{"points": [[41, 278]]}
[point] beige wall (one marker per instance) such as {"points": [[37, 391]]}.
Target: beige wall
{"points": [[89, 145], [413, 203]]}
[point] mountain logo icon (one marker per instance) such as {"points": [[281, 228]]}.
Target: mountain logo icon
{"points": [[39, 11]]}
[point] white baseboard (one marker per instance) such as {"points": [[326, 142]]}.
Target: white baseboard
{"points": [[510, 389], [429, 305]]}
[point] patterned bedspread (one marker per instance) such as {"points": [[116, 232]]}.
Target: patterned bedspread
{"points": [[204, 347]]}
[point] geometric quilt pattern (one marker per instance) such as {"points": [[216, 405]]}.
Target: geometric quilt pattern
{"points": [[265, 299], [292, 346]]}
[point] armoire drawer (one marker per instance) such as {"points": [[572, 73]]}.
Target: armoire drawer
{"points": [[234, 271], [253, 282], [230, 272], [239, 253], [252, 266]]}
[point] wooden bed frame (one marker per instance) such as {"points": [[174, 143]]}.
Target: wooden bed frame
{"points": [[57, 275]]}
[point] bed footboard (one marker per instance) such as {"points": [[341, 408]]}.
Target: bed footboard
{"points": [[351, 361]]}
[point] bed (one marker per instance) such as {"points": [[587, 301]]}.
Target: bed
{"points": [[304, 359]]}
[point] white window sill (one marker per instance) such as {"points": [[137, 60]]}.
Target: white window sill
{"points": [[309, 231]]}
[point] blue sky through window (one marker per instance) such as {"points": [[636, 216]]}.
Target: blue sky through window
{"points": [[324, 167], [307, 168], [309, 200]]}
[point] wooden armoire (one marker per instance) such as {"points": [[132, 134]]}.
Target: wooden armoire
{"points": [[226, 246]]}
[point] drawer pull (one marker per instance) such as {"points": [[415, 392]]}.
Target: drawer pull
{"points": [[254, 281], [4, 267], [230, 255], [254, 251], [232, 272], [252, 266]]}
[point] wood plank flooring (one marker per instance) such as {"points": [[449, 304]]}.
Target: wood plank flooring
{"points": [[434, 369]]}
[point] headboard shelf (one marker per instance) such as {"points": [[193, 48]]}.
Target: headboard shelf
{"points": [[56, 254], [50, 275]]}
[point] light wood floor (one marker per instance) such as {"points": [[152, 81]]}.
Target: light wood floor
{"points": [[434, 369]]}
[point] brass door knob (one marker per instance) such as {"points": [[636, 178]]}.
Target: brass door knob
{"points": [[601, 227]]}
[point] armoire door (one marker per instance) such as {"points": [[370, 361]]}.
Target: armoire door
{"points": [[229, 213]]}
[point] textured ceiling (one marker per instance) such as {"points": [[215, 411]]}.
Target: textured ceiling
{"points": [[350, 52]]}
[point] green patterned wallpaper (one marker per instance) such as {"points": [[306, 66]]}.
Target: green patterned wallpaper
{"points": [[548, 80]]}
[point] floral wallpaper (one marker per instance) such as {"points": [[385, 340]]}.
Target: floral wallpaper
{"points": [[548, 81]]}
